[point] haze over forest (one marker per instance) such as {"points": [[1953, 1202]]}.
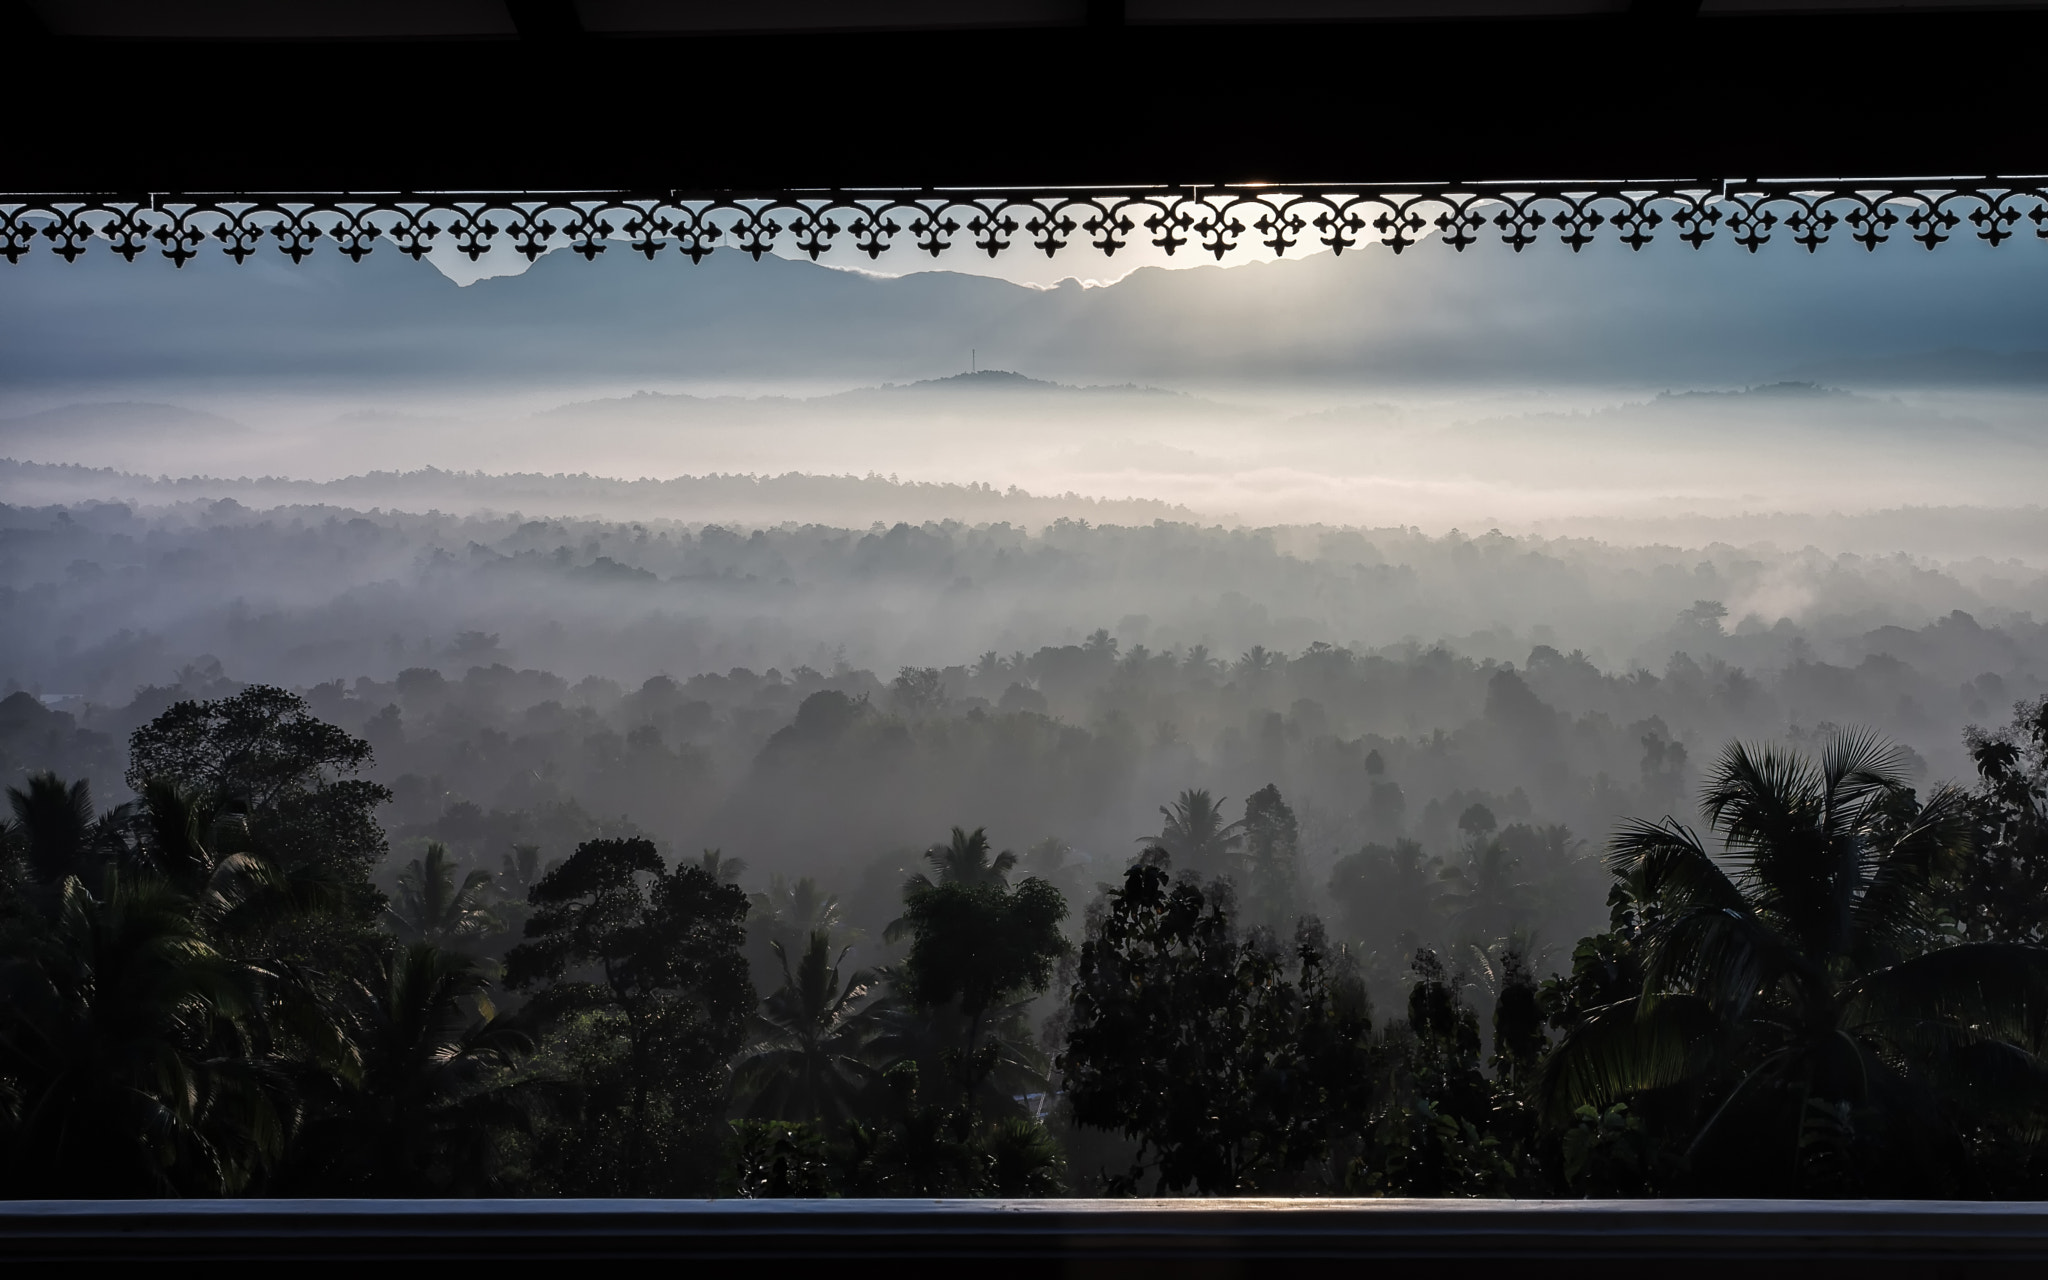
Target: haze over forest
{"points": [[1427, 480], [1470, 558], [1433, 389]]}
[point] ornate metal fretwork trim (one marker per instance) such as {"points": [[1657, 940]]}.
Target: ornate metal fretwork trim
{"points": [[1211, 220]]}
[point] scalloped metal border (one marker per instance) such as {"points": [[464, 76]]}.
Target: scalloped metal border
{"points": [[1213, 220]]}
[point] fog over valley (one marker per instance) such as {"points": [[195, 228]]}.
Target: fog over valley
{"points": [[579, 545], [1360, 610], [1434, 389], [821, 699]]}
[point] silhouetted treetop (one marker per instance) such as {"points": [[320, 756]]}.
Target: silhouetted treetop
{"points": [[251, 747]]}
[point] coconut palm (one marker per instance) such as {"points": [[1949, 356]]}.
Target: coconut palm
{"points": [[968, 858], [522, 868], [180, 831], [1006, 1063], [1485, 897], [1196, 835], [431, 907], [427, 1028], [134, 1050], [416, 1105], [805, 1063], [1052, 860], [1797, 987], [791, 910], [231, 893], [57, 831], [721, 867]]}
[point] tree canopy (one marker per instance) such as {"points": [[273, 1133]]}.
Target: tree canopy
{"points": [[1835, 986]]}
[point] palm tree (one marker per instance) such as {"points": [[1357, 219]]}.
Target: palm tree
{"points": [[522, 868], [1052, 860], [795, 910], [968, 859], [180, 830], [723, 869], [1797, 985], [1010, 1064], [428, 1027], [1485, 897], [230, 893], [134, 1050], [431, 907], [1196, 835], [417, 1108], [806, 1061], [58, 832]]}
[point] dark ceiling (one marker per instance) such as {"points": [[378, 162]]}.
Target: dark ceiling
{"points": [[132, 96]]}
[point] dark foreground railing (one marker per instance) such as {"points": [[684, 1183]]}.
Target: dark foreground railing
{"points": [[970, 1240]]}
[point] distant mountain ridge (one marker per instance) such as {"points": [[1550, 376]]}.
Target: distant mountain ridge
{"points": [[1008, 380], [1948, 366], [1783, 414], [926, 392], [119, 416], [1548, 316]]}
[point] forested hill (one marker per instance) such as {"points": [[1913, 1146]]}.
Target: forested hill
{"points": [[894, 398]]}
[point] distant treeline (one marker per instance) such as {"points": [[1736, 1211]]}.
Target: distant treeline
{"points": [[102, 597], [750, 499]]}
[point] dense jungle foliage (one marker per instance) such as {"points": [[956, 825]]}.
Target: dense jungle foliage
{"points": [[1835, 985]]}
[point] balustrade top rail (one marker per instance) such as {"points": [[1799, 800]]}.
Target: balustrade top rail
{"points": [[1743, 1238]]}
